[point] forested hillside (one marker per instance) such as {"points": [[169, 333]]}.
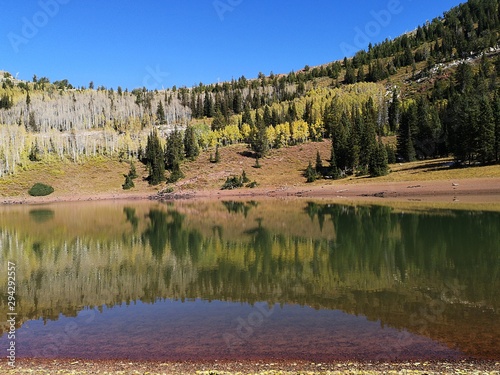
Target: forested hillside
{"points": [[429, 93]]}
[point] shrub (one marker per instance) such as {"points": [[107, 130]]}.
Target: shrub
{"points": [[231, 183], [40, 190]]}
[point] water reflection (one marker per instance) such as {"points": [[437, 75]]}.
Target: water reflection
{"points": [[431, 273]]}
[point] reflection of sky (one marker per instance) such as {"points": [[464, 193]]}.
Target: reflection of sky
{"points": [[170, 330]]}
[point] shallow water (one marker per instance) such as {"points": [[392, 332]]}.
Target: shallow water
{"points": [[252, 280]]}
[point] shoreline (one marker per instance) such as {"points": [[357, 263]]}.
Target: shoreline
{"points": [[277, 366], [473, 190]]}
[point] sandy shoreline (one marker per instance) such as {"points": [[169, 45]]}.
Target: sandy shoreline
{"points": [[474, 190], [66, 366]]}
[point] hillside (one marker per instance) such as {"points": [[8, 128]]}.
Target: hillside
{"points": [[429, 94]]}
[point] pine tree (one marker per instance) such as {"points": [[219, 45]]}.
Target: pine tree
{"points": [[394, 112], [160, 112], [190, 143], [246, 116], [154, 158], [319, 163], [405, 147], [310, 173], [174, 149], [486, 141], [378, 165], [259, 141], [219, 122], [340, 134], [333, 171], [497, 126]]}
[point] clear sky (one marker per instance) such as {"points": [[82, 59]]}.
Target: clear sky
{"points": [[161, 43]]}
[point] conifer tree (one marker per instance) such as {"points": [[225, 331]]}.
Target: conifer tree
{"points": [[486, 141], [497, 127], [319, 163], [259, 141], [174, 149], [154, 158], [394, 112], [333, 171], [190, 143], [310, 173], [378, 161], [160, 112], [405, 147]]}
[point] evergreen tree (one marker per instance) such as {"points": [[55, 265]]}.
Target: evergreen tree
{"points": [[378, 165], [259, 140], [424, 138], [486, 141], [190, 143], [160, 112], [340, 141], [247, 117], [319, 163], [219, 122], [394, 112], [208, 105], [497, 127], [268, 119], [405, 147], [310, 173], [333, 171], [174, 149], [154, 158]]}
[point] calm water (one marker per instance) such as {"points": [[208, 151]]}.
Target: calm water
{"points": [[252, 280]]}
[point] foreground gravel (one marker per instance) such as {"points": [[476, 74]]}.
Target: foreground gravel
{"points": [[45, 367]]}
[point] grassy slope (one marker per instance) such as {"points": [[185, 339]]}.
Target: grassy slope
{"points": [[282, 168]]}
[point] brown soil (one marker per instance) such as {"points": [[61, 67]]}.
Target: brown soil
{"points": [[473, 190], [60, 366]]}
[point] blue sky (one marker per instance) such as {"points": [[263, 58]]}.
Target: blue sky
{"points": [[161, 43]]}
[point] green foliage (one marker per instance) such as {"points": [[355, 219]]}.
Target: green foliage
{"points": [[40, 190], [6, 102], [174, 149], [191, 143], [129, 178], [391, 154], [34, 152], [233, 182], [175, 174], [378, 161], [258, 138], [244, 178], [236, 182], [310, 174], [129, 182], [405, 148], [155, 159], [319, 163]]}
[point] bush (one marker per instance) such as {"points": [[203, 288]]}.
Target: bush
{"points": [[231, 183], [40, 190]]}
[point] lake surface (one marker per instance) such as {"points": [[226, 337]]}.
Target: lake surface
{"points": [[290, 279]]}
